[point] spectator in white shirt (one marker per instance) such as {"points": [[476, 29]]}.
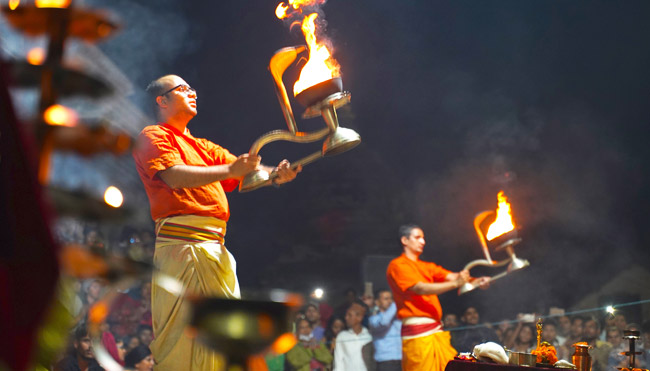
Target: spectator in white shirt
{"points": [[348, 355]]}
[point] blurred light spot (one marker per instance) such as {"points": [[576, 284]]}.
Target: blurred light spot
{"points": [[60, 116], [318, 293], [191, 332], [36, 56], [236, 325], [610, 309], [13, 4], [286, 297], [284, 343], [52, 3], [113, 196], [169, 284], [265, 325], [98, 312]]}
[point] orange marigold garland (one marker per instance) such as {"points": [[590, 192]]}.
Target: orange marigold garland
{"points": [[545, 353]]}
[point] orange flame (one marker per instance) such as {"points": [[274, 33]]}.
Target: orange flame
{"points": [[59, 115], [52, 3], [320, 66], [36, 56], [281, 11], [503, 223], [296, 5], [13, 4]]}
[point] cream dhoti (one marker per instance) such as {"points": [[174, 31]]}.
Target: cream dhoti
{"points": [[424, 345], [191, 250]]}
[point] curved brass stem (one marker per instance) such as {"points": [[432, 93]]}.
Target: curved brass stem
{"points": [[280, 61], [477, 226], [297, 137], [486, 263]]}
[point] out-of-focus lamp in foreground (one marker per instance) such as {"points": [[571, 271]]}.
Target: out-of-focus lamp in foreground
{"points": [[496, 230], [241, 328]]}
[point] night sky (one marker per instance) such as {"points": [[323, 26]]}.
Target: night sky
{"points": [[454, 101]]}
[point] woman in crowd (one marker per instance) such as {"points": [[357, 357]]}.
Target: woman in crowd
{"points": [[335, 325], [523, 339], [308, 354], [139, 359]]}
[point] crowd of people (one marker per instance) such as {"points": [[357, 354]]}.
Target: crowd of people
{"points": [[361, 332], [127, 331], [367, 336]]}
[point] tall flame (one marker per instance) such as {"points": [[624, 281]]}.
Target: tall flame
{"points": [[503, 223], [320, 66]]}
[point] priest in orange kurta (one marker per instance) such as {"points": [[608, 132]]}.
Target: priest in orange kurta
{"points": [[416, 285], [186, 179]]}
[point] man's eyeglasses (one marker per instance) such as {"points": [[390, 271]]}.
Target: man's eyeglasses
{"points": [[183, 88]]}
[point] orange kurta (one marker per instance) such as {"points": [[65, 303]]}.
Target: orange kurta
{"points": [[162, 146], [402, 274], [190, 245], [431, 350]]}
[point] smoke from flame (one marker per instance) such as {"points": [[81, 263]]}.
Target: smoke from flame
{"points": [[503, 223]]}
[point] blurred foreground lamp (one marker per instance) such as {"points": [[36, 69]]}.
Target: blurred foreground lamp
{"points": [[496, 231], [320, 89], [241, 328]]}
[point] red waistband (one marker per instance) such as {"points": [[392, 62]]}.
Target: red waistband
{"points": [[412, 330]]}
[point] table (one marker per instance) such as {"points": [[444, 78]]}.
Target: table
{"points": [[458, 365]]}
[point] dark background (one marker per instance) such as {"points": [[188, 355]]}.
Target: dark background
{"points": [[454, 101]]}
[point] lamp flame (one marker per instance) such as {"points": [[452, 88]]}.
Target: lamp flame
{"points": [[320, 66], [297, 5], [503, 223], [281, 11], [13, 4]]}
